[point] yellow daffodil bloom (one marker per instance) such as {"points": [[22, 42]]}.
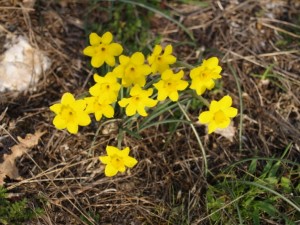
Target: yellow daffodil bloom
{"points": [[203, 76], [170, 84], [132, 70], [138, 101], [99, 108], [117, 160], [102, 50], [219, 114], [70, 113], [160, 60], [106, 88]]}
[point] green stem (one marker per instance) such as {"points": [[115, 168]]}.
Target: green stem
{"points": [[91, 151], [204, 166], [241, 106]]}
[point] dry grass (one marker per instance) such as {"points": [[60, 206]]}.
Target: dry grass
{"points": [[168, 185]]}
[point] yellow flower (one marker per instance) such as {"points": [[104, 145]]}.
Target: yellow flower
{"points": [[117, 160], [132, 70], [138, 101], [70, 113], [203, 76], [170, 84], [106, 88], [99, 108], [159, 60], [102, 50], [219, 114]]}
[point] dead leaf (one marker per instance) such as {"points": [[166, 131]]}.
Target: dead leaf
{"points": [[28, 3], [8, 166], [228, 132]]}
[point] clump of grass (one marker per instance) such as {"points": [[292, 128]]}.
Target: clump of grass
{"points": [[16, 212], [268, 195]]}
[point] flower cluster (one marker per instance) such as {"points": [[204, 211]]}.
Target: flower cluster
{"points": [[116, 160], [133, 73]]}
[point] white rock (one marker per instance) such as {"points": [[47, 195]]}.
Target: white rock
{"points": [[21, 66]]}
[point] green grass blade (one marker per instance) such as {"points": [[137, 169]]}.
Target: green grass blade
{"points": [[132, 133], [205, 166], [241, 106], [164, 122], [293, 204], [261, 159], [159, 110]]}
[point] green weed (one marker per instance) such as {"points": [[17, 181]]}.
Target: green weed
{"points": [[16, 212], [271, 76], [129, 22], [269, 194]]}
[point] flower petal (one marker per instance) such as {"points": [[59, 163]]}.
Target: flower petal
{"points": [[125, 152], [67, 99], [157, 50], [98, 115], [94, 39], [95, 90], [97, 61], [56, 108], [168, 50], [141, 110], [89, 51], [170, 59], [122, 168], [83, 119], [162, 94], [209, 84], [110, 171], [211, 62], [146, 69], [195, 72], [72, 128], [205, 117], [107, 38], [149, 102], [124, 102], [167, 74], [115, 49], [97, 78], [135, 90], [138, 58], [111, 150], [59, 122], [200, 89], [131, 110], [230, 112], [124, 59], [79, 105], [104, 159], [225, 102], [130, 162], [108, 111], [212, 127], [182, 84], [110, 60], [214, 106], [224, 124], [174, 96]]}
